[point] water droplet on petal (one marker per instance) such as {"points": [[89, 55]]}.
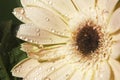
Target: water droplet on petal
{"points": [[34, 0], [38, 30], [40, 68], [21, 11], [47, 19], [47, 78], [14, 13], [66, 15], [26, 39], [20, 17], [31, 41], [51, 40], [35, 78], [41, 46], [101, 76], [52, 68], [19, 66], [52, 30], [16, 70], [63, 34], [50, 2], [38, 34], [20, 37]]}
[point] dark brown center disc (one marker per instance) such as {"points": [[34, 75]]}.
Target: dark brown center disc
{"points": [[87, 40]]}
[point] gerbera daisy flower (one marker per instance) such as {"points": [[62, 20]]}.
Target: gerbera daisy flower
{"points": [[69, 40]]}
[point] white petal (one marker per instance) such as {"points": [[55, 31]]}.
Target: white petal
{"points": [[44, 69], [45, 5], [49, 54], [30, 48], [26, 3], [89, 74], [37, 3], [64, 73], [116, 37], [104, 9], [103, 71], [85, 5], [114, 24], [78, 75], [31, 33], [107, 5], [47, 20], [64, 7], [19, 14], [115, 66], [76, 20], [115, 50], [53, 54], [23, 68]]}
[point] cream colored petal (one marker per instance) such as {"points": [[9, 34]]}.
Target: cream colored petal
{"points": [[115, 66], [64, 73], [76, 20], [49, 54], [36, 3], [47, 20], [116, 37], [114, 24], [115, 50], [54, 5], [84, 5], [53, 54], [30, 48], [44, 69], [106, 7], [78, 75], [87, 7], [103, 71], [34, 48], [89, 74], [42, 4], [26, 3], [33, 34], [44, 53], [19, 14], [23, 67], [63, 7], [104, 10]]}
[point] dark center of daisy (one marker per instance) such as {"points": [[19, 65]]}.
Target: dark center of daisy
{"points": [[87, 40]]}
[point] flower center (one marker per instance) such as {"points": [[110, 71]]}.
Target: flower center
{"points": [[87, 39]]}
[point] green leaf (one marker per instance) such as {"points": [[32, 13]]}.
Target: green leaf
{"points": [[10, 52], [6, 8], [16, 55]]}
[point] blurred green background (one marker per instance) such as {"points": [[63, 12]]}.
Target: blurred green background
{"points": [[10, 53]]}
